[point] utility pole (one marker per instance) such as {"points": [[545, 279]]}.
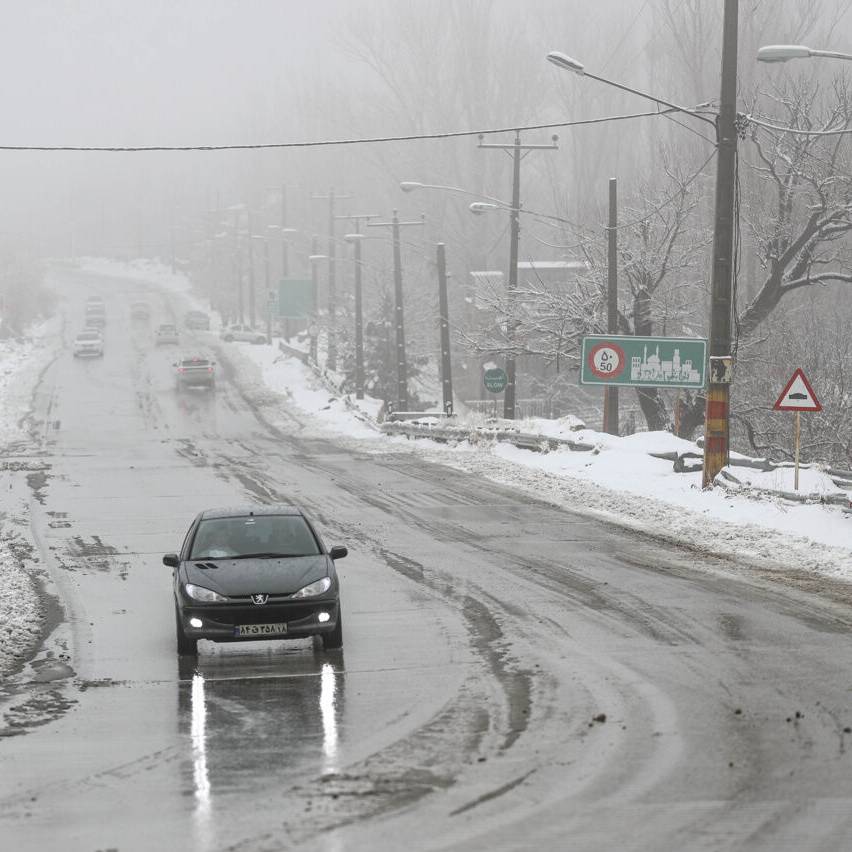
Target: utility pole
{"points": [[717, 411], [269, 300], [518, 154], [251, 294], [238, 266], [285, 260], [399, 319], [443, 307], [356, 239], [331, 355], [312, 328], [611, 393]]}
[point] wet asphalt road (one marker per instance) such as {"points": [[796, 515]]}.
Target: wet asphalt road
{"points": [[514, 676]]}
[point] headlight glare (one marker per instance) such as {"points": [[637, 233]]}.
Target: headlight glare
{"points": [[199, 593], [318, 587]]}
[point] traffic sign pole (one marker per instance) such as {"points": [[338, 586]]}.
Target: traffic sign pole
{"points": [[798, 396], [798, 434]]}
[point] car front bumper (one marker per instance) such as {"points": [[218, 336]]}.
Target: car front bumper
{"points": [[219, 622]]}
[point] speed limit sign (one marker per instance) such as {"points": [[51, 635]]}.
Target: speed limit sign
{"points": [[606, 360]]}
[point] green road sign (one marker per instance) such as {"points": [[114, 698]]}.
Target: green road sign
{"points": [[295, 298], [651, 362], [495, 380]]}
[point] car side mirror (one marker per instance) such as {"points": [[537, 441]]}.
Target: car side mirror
{"points": [[172, 560], [338, 551]]}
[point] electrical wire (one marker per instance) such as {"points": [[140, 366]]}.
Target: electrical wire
{"points": [[453, 134], [666, 200]]}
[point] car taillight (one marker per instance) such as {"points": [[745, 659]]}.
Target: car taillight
{"points": [[209, 369], [180, 369]]}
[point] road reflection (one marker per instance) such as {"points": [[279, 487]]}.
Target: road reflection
{"points": [[200, 777], [328, 709], [255, 724]]}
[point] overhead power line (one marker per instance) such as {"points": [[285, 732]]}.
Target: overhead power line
{"points": [[324, 143]]}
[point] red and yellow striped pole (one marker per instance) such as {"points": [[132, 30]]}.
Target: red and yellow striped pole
{"points": [[716, 446]]}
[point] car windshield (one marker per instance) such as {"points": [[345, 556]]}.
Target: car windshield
{"points": [[89, 335], [255, 536], [167, 329], [195, 362]]}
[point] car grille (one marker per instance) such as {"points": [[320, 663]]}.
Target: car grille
{"points": [[263, 614]]}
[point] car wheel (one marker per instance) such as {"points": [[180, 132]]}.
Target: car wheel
{"points": [[334, 640], [185, 645]]}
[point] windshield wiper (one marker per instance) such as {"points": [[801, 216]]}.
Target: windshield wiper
{"points": [[268, 555]]}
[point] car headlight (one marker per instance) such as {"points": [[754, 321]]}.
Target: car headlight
{"points": [[199, 593], [314, 589]]}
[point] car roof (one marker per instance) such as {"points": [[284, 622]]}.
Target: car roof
{"points": [[249, 510]]}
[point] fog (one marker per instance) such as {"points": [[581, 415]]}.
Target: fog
{"points": [[216, 73], [259, 73]]}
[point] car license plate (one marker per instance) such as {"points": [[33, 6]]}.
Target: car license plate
{"points": [[259, 629]]}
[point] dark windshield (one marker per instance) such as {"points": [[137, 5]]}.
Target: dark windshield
{"points": [[258, 535]]}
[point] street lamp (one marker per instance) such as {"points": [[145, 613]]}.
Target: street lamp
{"points": [[566, 63], [717, 409], [785, 52]]}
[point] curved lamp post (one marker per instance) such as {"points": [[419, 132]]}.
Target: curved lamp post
{"points": [[786, 52], [566, 63]]}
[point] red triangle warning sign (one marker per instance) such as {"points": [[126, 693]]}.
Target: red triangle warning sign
{"points": [[798, 395]]}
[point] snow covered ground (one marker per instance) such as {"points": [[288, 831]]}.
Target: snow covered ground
{"points": [[618, 480], [21, 362]]}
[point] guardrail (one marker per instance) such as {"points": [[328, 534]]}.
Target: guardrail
{"points": [[445, 434]]}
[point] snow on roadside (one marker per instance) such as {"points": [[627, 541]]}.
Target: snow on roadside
{"points": [[21, 362]]}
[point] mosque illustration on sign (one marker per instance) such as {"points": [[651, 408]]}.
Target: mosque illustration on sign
{"points": [[652, 369]]}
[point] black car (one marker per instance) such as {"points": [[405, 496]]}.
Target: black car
{"points": [[255, 572], [197, 320]]}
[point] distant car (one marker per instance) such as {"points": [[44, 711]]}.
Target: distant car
{"points": [[195, 371], [89, 342], [94, 300], [166, 333], [253, 573], [95, 318], [140, 311], [242, 332], [197, 320]]}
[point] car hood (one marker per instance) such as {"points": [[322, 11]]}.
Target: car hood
{"points": [[238, 577]]}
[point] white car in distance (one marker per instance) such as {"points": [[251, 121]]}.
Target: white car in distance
{"points": [[89, 342], [239, 331]]}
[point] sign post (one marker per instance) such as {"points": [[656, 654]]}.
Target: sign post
{"points": [[495, 379], [661, 362], [798, 396]]}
